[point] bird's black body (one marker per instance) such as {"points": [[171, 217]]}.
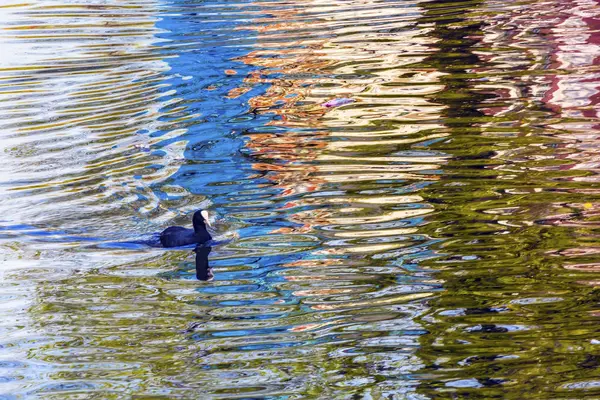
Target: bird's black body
{"points": [[176, 236]]}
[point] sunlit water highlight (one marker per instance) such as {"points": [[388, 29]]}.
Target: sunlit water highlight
{"points": [[433, 238]]}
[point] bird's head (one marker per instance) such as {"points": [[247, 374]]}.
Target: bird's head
{"points": [[200, 220]]}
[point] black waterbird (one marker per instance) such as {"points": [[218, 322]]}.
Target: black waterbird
{"points": [[176, 236]]}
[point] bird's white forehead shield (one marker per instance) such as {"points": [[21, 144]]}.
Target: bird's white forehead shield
{"points": [[204, 214]]}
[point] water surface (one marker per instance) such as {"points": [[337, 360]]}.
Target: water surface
{"points": [[435, 238]]}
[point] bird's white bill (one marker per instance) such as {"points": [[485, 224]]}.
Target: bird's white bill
{"points": [[204, 214]]}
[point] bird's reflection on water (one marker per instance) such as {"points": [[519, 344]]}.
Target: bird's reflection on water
{"points": [[203, 270]]}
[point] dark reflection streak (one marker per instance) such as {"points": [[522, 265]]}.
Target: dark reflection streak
{"points": [[455, 57]]}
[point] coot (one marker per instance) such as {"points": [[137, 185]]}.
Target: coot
{"points": [[176, 236]]}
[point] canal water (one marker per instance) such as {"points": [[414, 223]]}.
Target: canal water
{"points": [[432, 235]]}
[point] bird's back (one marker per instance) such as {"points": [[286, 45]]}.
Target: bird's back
{"points": [[175, 236]]}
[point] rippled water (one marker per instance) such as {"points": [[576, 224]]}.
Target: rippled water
{"points": [[436, 238]]}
